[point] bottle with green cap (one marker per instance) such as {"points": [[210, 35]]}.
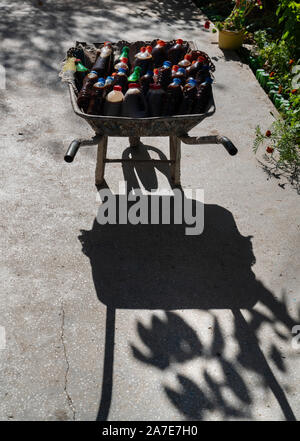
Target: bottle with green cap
{"points": [[135, 76], [125, 54], [80, 73]]}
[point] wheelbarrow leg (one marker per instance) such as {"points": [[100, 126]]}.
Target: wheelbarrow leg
{"points": [[100, 165], [134, 141], [175, 155]]}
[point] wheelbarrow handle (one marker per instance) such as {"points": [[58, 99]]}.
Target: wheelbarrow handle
{"points": [[229, 146], [211, 139], [72, 150]]}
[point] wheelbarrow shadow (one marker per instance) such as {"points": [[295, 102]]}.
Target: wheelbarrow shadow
{"points": [[160, 267]]}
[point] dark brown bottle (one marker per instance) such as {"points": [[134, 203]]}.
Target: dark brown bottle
{"points": [[193, 69], [121, 79], [145, 81], [165, 74], [176, 52], [159, 53], [173, 98], [156, 100], [189, 96], [203, 96], [104, 63], [134, 104], [97, 98], [85, 92]]}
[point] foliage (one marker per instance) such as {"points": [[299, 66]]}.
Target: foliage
{"points": [[289, 15], [237, 18], [283, 141]]}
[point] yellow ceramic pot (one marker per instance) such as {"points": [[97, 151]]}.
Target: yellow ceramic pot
{"points": [[231, 39]]}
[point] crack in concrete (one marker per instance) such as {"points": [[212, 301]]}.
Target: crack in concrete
{"points": [[69, 399]]}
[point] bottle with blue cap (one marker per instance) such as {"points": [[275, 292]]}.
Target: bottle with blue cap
{"points": [[121, 79], [189, 95], [173, 98], [109, 84], [203, 96], [97, 98], [180, 73], [165, 74]]}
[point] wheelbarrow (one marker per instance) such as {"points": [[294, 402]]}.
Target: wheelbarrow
{"points": [[175, 127]]}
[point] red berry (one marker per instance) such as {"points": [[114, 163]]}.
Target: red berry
{"points": [[268, 133], [269, 149]]}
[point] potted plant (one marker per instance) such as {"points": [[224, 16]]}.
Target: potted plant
{"points": [[232, 29]]}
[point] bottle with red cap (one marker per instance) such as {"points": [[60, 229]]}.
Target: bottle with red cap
{"points": [[134, 105], [165, 74], [159, 53], [155, 75], [85, 92], [195, 67], [145, 60], [113, 102], [174, 70], [180, 73], [173, 98], [122, 64], [104, 63], [156, 100], [186, 62], [98, 93], [176, 52]]}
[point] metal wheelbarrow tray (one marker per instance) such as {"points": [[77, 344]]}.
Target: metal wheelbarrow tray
{"points": [[176, 127]]}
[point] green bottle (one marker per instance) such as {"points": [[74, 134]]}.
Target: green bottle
{"points": [[80, 67], [264, 79], [258, 73], [135, 76], [273, 91], [270, 85]]}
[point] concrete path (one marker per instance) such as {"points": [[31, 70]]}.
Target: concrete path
{"points": [[204, 330]]}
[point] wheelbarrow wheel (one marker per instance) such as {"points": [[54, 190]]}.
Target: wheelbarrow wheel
{"points": [[134, 141]]}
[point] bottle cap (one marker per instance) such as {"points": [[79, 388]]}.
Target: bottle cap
{"points": [[149, 73], [167, 64], [179, 41], [125, 48], [155, 71], [155, 86], [114, 74], [161, 42], [149, 49], [137, 69], [208, 80], [94, 72], [109, 80], [118, 88], [122, 70], [100, 83], [102, 80], [188, 57], [107, 43], [181, 70], [133, 86], [143, 49], [124, 60], [201, 59], [175, 67], [192, 82], [177, 81]]}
